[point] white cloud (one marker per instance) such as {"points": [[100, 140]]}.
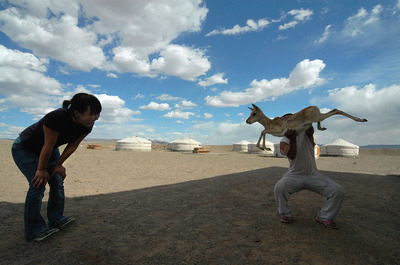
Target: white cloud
{"points": [[304, 75], [368, 100], [182, 62], [156, 106], [113, 111], [10, 131], [147, 28], [127, 60], [120, 131], [185, 104], [251, 25], [325, 35], [112, 75], [179, 114], [324, 11], [379, 106], [208, 115], [288, 25], [188, 103], [362, 22], [211, 132], [212, 80], [24, 85], [17, 59], [18, 81], [118, 37], [58, 37], [299, 15], [166, 97], [280, 37], [138, 96]]}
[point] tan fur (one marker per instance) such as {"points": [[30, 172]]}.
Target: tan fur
{"points": [[299, 121]]}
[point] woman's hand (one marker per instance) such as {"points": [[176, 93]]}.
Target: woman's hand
{"points": [[41, 178], [310, 131], [290, 150], [61, 170], [291, 134]]}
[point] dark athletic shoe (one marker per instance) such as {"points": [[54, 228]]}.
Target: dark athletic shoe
{"points": [[45, 234], [64, 222], [329, 224], [286, 219]]}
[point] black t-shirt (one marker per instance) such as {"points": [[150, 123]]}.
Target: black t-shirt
{"points": [[60, 120]]}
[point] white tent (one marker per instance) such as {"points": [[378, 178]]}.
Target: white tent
{"points": [[277, 150], [339, 148], [241, 146], [254, 149], [185, 144], [133, 143]]}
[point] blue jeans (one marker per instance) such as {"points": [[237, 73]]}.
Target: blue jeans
{"points": [[27, 162]]}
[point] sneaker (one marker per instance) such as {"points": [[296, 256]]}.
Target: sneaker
{"points": [[64, 222], [286, 219], [45, 234], [329, 224]]}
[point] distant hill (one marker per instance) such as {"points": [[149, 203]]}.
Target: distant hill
{"points": [[99, 140], [380, 146], [158, 142], [96, 140]]}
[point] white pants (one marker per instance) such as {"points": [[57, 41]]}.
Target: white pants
{"points": [[318, 183]]}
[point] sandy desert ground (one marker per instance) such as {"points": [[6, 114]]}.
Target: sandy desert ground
{"points": [[164, 207]]}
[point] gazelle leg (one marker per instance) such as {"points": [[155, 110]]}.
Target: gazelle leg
{"points": [[264, 147], [259, 141], [320, 128]]}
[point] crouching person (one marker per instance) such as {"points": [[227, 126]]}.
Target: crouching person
{"points": [[303, 175]]}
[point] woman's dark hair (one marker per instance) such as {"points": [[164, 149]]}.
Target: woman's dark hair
{"points": [[81, 101]]}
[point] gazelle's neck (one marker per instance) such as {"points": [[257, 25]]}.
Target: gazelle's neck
{"points": [[264, 120]]}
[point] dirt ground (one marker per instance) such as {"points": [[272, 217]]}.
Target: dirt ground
{"points": [[164, 207]]}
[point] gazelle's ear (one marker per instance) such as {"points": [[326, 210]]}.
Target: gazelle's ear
{"points": [[257, 108], [251, 108]]}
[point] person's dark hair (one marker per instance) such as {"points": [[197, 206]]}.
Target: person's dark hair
{"points": [[81, 101]]}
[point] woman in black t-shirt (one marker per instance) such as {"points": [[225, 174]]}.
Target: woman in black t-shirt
{"points": [[36, 154]]}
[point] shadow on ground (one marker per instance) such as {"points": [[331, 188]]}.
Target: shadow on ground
{"points": [[228, 219]]}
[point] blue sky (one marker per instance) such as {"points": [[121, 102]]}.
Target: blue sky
{"points": [[166, 70]]}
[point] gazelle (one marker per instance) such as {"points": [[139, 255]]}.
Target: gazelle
{"points": [[300, 121]]}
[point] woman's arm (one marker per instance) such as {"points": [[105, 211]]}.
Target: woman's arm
{"points": [[50, 139], [310, 134], [290, 150], [68, 151]]}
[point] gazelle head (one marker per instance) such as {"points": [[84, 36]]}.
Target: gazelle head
{"points": [[255, 115]]}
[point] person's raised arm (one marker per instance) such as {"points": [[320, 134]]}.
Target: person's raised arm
{"points": [[290, 150], [310, 134], [50, 139]]}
